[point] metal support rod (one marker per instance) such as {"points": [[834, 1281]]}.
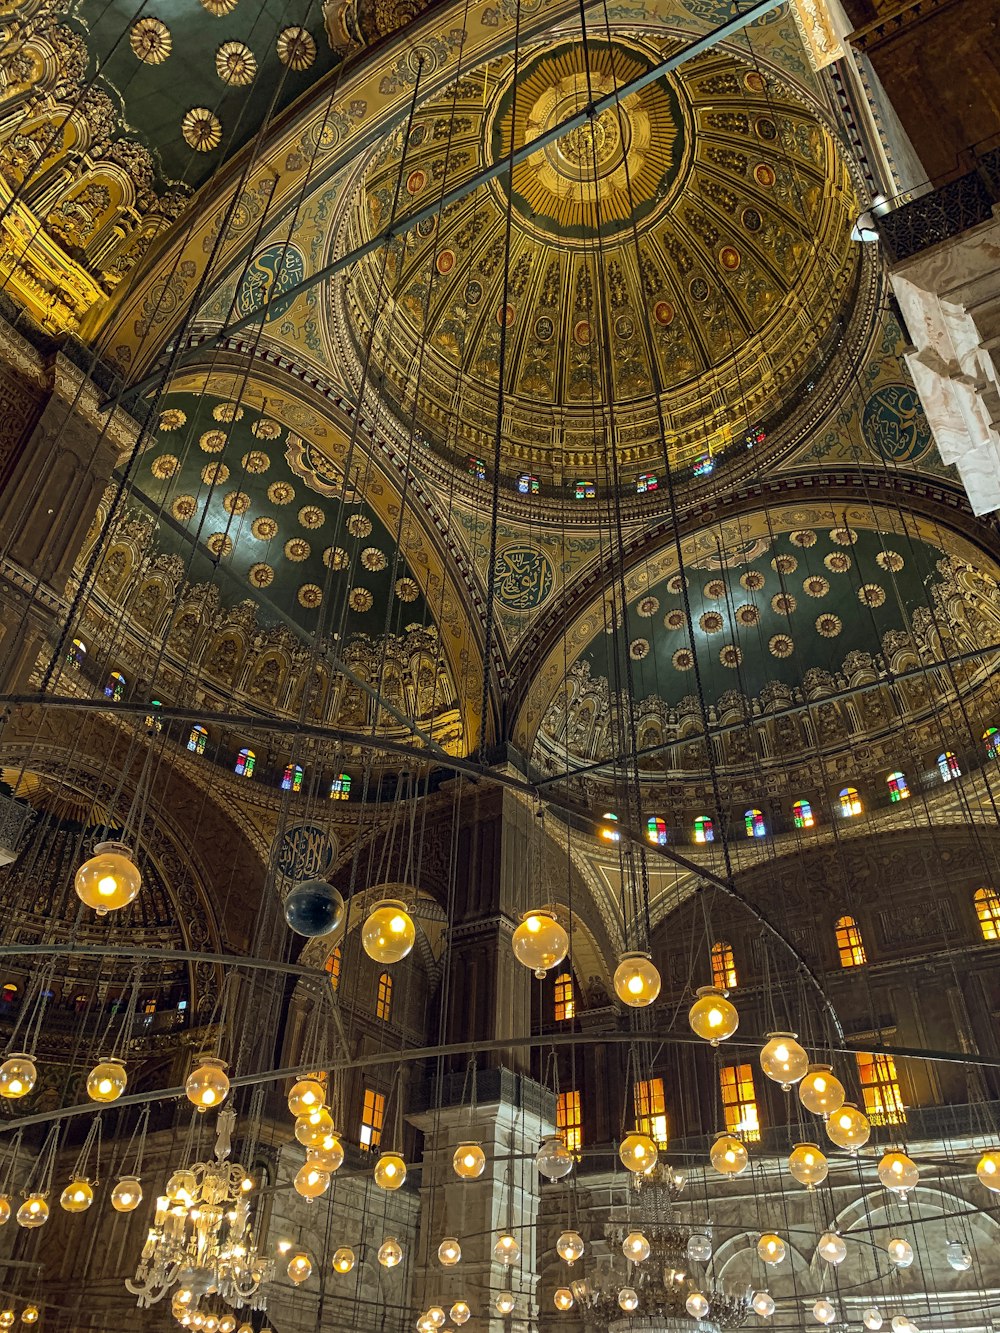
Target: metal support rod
{"points": [[154, 955]]}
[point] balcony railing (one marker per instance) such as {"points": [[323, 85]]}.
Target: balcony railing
{"points": [[945, 212]]}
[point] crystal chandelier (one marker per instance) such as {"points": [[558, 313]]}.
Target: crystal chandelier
{"points": [[201, 1241]]}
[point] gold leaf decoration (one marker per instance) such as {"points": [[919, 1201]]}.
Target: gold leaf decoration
{"points": [[235, 64], [261, 575], [311, 516], [215, 474], [407, 589], [219, 8], [335, 557], [183, 508], [150, 40], [280, 492], [220, 543], [236, 502], [256, 462], [227, 411], [297, 548], [167, 465], [202, 129], [264, 528], [213, 441], [310, 596], [360, 599], [296, 47], [172, 418]]}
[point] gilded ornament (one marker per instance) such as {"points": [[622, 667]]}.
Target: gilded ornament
{"points": [[752, 580], [297, 549], [360, 599], [228, 411], [711, 622], [783, 603], [648, 607], [264, 528], [871, 594], [683, 659], [255, 462], [802, 537], [183, 508], [296, 47], [219, 8], [335, 557], [151, 42], [236, 502], [220, 544], [260, 575], [780, 645], [843, 536], [310, 596], [374, 559], [889, 560], [715, 588], [166, 466], [359, 526], [784, 564], [172, 418], [280, 492], [676, 583], [638, 649], [213, 441], [816, 585], [731, 656], [748, 614], [407, 590], [266, 429], [674, 620], [828, 626], [236, 65], [837, 562], [311, 516], [202, 129]]}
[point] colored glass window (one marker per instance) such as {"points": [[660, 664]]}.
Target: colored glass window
{"points": [[704, 466], [754, 820], [292, 778], [703, 829], [197, 740], [340, 787], [569, 1120], [656, 831], [77, 653], [802, 814], [987, 903], [850, 802], [154, 723], [245, 762], [527, 484], [850, 945], [739, 1102], [880, 1089], [651, 1110], [610, 831], [115, 688], [948, 766], [723, 966], [477, 468], [372, 1119], [584, 489], [565, 1000], [898, 787], [991, 738], [647, 481], [756, 435], [332, 966]]}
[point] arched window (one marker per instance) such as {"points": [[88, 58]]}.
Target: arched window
{"points": [[948, 766], [656, 831], [565, 1000], [850, 802], [584, 489], [987, 903], [115, 688], [647, 481], [991, 738], [150, 1006], [756, 828], [154, 723], [703, 830], [333, 967], [383, 1003], [197, 740], [610, 831], [723, 966], [850, 945], [77, 653], [898, 788], [340, 787], [292, 780], [9, 993], [527, 484], [245, 761], [802, 814]]}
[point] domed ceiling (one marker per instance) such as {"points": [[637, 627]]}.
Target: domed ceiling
{"points": [[734, 275]]}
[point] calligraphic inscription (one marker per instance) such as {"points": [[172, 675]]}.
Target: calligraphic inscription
{"points": [[522, 578], [305, 852], [895, 425], [276, 269]]}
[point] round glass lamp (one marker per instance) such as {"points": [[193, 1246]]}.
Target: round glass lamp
{"points": [[504, 1303], [635, 1246], [900, 1252], [958, 1256], [712, 1016], [4, 1210], [540, 942], [343, 1260], [848, 1128], [390, 1252], [823, 1311], [783, 1060], [637, 981], [872, 1319], [311, 1182], [770, 1248], [699, 1248], [808, 1165], [77, 1196], [300, 1268], [638, 1153], [17, 1076], [728, 1155], [227, 1324], [696, 1305], [328, 1155], [628, 1299], [106, 1081], [388, 934], [460, 1313], [313, 1129], [6, 1319], [34, 1212], [390, 1171], [553, 1159], [469, 1161], [208, 1084], [570, 1246], [109, 880], [898, 1173], [436, 1316], [449, 1252], [306, 1095], [506, 1250], [988, 1169], [29, 1315], [832, 1248], [762, 1304], [820, 1091], [126, 1195], [313, 908], [562, 1298]]}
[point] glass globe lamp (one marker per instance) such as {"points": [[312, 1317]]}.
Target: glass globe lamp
{"points": [[449, 1252], [823, 1311], [637, 981], [553, 1159], [109, 880], [126, 1195], [469, 1161], [898, 1173], [17, 1076], [771, 1248], [504, 1303], [820, 1091], [390, 1252], [635, 1246], [808, 1165], [872, 1319], [29, 1315], [832, 1248], [638, 1153], [987, 1168], [460, 1313], [762, 1304], [958, 1256], [306, 1095], [106, 1081], [34, 1212], [562, 1298], [208, 1084], [900, 1252], [728, 1155], [388, 934], [77, 1196], [506, 1250], [313, 1129], [628, 1299], [699, 1248], [712, 1016], [300, 1268], [4, 1210], [696, 1305], [540, 942], [848, 1128], [343, 1260], [902, 1323], [328, 1155], [570, 1246], [783, 1060], [436, 1316], [6, 1318], [311, 1182], [313, 908], [390, 1171], [227, 1324]]}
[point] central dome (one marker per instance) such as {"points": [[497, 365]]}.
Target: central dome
{"points": [[692, 240]]}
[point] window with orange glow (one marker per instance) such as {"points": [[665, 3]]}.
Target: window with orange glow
{"points": [[880, 1089], [723, 966], [569, 1120], [850, 945], [372, 1118], [565, 1006], [383, 1004], [739, 1102], [987, 903], [651, 1110], [333, 967]]}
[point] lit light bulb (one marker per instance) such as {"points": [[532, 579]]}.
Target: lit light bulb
{"points": [[636, 981], [699, 1248], [314, 1127], [628, 1299], [343, 1260], [390, 1171], [728, 1155], [506, 1250], [696, 1305], [106, 1081], [570, 1246], [635, 1246], [808, 1165], [460, 1313], [771, 1248], [29, 1315], [227, 1324], [553, 1159], [388, 934], [311, 1182], [562, 1298], [469, 1161], [872, 1319], [987, 1168], [540, 942], [900, 1252], [898, 1173], [820, 1091], [848, 1128], [126, 1195], [638, 1153], [390, 1252], [783, 1060], [712, 1017], [305, 1096], [17, 1076], [4, 1210], [6, 1319], [449, 1252], [832, 1248], [300, 1268], [823, 1311], [436, 1316], [208, 1084], [109, 880], [504, 1303], [328, 1154], [762, 1304], [958, 1256], [77, 1196]]}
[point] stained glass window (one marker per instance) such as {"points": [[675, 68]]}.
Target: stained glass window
{"points": [[565, 1000], [77, 653], [651, 1111], [850, 945], [948, 766], [850, 802], [723, 966], [292, 779], [197, 740], [610, 831], [115, 688], [340, 787], [739, 1102], [154, 723], [898, 788], [372, 1119], [754, 819], [754, 436], [991, 737], [569, 1120], [647, 481], [802, 814], [477, 467], [704, 466], [703, 829], [383, 1003], [987, 903], [880, 1089], [584, 489], [527, 484], [245, 761], [332, 966], [656, 831]]}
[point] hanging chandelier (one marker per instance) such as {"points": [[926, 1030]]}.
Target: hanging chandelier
{"points": [[201, 1241]]}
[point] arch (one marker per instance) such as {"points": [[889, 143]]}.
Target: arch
{"points": [[802, 815], [899, 789], [850, 802], [197, 739], [292, 778], [76, 654], [656, 831], [987, 904], [850, 945], [704, 829], [609, 829], [383, 999], [114, 688], [754, 823], [340, 787], [246, 761]]}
